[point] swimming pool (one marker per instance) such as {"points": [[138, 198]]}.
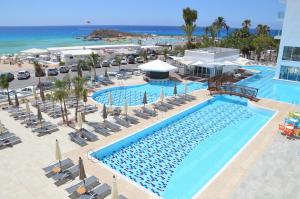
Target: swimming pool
{"points": [[270, 88], [134, 94], [176, 157]]}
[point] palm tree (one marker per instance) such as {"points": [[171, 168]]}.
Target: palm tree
{"points": [[60, 94], [4, 84], [93, 63], [81, 64], [39, 72], [246, 24], [206, 30], [227, 27], [219, 24], [262, 29], [190, 16], [118, 61], [79, 84]]}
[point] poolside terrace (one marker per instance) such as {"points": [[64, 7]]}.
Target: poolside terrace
{"points": [[243, 175]]}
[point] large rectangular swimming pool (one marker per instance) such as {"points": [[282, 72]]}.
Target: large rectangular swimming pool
{"points": [[177, 157]]}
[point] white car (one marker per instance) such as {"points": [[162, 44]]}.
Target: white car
{"points": [[105, 63], [123, 62], [24, 74]]}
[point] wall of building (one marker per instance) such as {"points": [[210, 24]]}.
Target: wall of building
{"points": [[290, 34]]}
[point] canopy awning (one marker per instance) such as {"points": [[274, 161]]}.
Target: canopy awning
{"points": [[157, 66]]}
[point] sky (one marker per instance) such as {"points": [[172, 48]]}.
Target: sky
{"points": [[136, 12]]}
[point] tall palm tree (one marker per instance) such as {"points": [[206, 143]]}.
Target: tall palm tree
{"points": [[118, 60], [219, 23], [60, 94], [81, 64], [39, 72], [246, 24], [189, 16], [262, 29], [4, 84], [227, 27], [79, 87], [93, 62], [206, 30]]}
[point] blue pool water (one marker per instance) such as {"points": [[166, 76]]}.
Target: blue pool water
{"points": [[134, 94], [271, 88], [176, 157]]}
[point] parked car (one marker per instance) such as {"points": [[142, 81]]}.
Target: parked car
{"points": [[123, 61], [74, 68], [10, 76], [64, 69], [105, 63], [52, 72], [131, 60], [24, 74], [152, 56], [139, 60], [114, 62]]}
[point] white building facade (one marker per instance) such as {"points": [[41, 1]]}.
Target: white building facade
{"points": [[289, 52]]}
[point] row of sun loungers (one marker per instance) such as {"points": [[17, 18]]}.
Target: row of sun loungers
{"points": [[88, 109], [67, 171], [8, 139], [82, 136]]}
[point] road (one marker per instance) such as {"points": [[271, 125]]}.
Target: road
{"points": [[16, 84]]}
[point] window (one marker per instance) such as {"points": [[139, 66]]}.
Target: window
{"points": [[291, 53], [290, 73]]}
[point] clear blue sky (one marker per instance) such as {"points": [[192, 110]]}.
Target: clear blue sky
{"points": [[136, 12]]}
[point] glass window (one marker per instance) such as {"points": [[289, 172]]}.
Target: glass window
{"points": [[291, 53], [290, 73]]}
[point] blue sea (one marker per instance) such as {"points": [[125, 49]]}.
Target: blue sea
{"points": [[16, 39]]}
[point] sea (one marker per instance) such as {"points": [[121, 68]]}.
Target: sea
{"points": [[14, 39]]}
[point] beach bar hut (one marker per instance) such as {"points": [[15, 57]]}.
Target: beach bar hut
{"points": [[157, 69]]}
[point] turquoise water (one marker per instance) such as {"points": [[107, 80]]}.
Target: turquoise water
{"points": [[134, 94], [270, 88], [16, 39], [175, 158]]}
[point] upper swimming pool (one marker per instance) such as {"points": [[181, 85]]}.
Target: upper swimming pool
{"points": [[176, 157], [134, 94], [270, 88]]}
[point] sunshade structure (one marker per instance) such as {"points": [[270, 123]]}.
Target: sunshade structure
{"points": [[82, 174], [125, 108], [34, 52], [79, 120], [157, 69], [162, 94], [114, 193], [145, 100], [39, 115], [58, 156], [175, 89], [110, 101], [104, 112]]}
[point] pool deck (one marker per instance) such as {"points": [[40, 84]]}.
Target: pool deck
{"points": [[26, 179]]}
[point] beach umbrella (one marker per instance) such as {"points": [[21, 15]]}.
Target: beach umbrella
{"points": [[58, 153], [162, 94], [186, 89], [125, 107], [34, 93], [82, 175], [79, 120], [39, 115], [110, 100], [114, 193], [17, 100], [104, 112], [42, 94], [105, 73], [175, 89], [145, 101]]}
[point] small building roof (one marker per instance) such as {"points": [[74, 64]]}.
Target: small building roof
{"points": [[77, 52], [157, 66]]}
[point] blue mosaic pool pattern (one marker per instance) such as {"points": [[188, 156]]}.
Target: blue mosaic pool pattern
{"points": [[134, 94], [151, 160]]}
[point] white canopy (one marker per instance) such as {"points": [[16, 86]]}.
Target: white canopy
{"points": [[242, 61], [157, 66], [35, 51]]}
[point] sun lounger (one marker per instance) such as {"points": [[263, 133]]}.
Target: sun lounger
{"points": [[44, 124], [89, 184], [111, 126], [100, 129], [122, 197], [141, 114], [19, 112], [10, 141], [88, 135], [76, 137], [101, 191], [130, 119], [23, 116], [179, 100], [66, 163], [149, 112], [173, 102], [160, 107], [67, 175], [46, 130], [121, 121], [6, 136]]}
